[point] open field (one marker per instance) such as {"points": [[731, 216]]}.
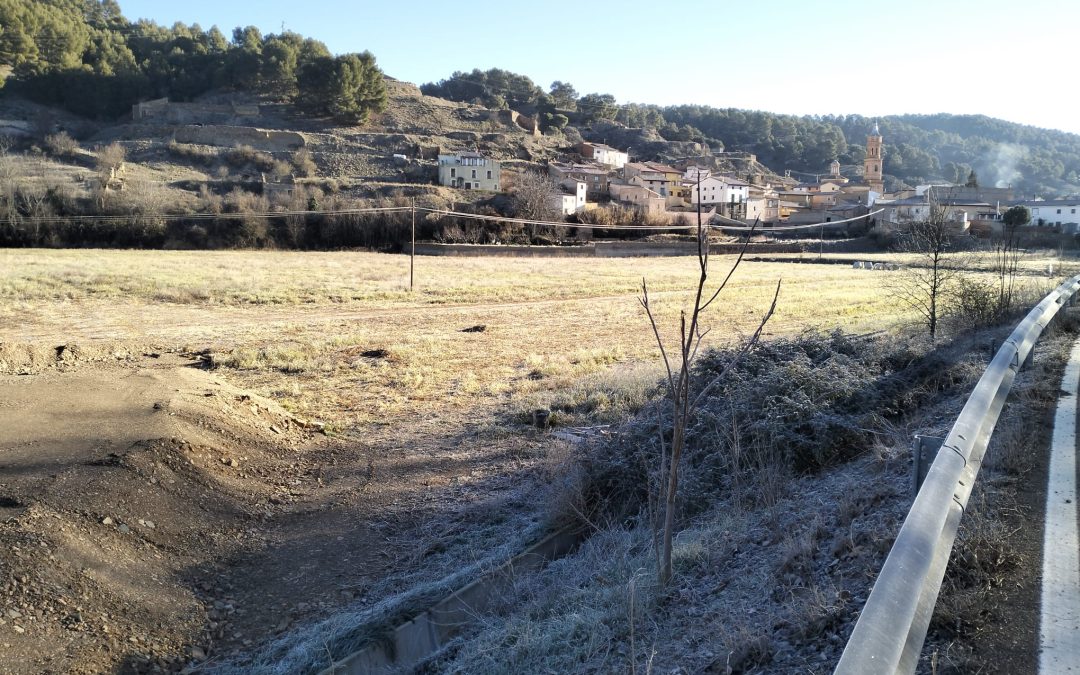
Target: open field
{"points": [[259, 522], [295, 325]]}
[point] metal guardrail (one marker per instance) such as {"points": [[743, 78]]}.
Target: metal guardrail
{"points": [[889, 634]]}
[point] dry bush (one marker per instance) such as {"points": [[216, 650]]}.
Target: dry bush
{"points": [[110, 159], [982, 558], [243, 156], [972, 304], [598, 216], [209, 201], [303, 164], [61, 144], [197, 154], [656, 220], [281, 169], [808, 396], [254, 228]]}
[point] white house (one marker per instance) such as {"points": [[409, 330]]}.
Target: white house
{"points": [[719, 190], [470, 171], [1063, 213], [571, 197], [604, 154]]}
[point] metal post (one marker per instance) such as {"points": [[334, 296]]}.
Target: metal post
{"points": [[412, 253], [923, 451]]}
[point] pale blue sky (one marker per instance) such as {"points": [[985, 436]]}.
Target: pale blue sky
{"points": [[1011, 60]]}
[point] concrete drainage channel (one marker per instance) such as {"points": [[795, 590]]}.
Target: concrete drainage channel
{"points": [[425, 634]]}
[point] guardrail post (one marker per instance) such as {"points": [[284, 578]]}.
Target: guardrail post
{"points": [[923, 451]]}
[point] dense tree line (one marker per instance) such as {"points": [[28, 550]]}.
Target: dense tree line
{"points": [[918, 148], [84, 56]]}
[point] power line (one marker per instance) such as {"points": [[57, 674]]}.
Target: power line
{"points": [[742, 227], [730, 224]]}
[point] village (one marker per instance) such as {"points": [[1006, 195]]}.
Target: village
{"points": [[598, 176]]}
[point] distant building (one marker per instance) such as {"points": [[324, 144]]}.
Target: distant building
{"points": [[834, 174], [729, 192], [279, 188], [639, 197], [762, 204], [470, 171], [595, 177], [570, 198], [958, 212], [660, 178], [1062, 213], [604, 154]]}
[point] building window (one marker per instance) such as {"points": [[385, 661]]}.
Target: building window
{"points": [[453, 173], [489, 175], [474, 173], [1059, 211]]}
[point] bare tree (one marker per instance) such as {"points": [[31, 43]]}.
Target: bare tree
{"points": [[1007, 255], [926, 282], [683, 391], [109, 160], [534, 198], [9, 212]]}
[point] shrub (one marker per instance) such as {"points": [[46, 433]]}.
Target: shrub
{"points": [[303, 164], [61, 144], [197, 154], [244, 155], [973, 303]]}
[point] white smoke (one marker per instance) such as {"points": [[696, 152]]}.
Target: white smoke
{"points": [[999, 165]]}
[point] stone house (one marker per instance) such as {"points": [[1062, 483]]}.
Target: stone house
{"points": [[595, 177], [637, 196], [665, 180]]}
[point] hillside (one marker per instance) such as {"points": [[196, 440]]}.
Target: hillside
{"points": [[918, 148]]}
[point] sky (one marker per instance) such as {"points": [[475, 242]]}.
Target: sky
{"points": [[1010, 60]]}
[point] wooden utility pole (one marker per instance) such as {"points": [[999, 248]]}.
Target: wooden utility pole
{"points": [[412, 253]]}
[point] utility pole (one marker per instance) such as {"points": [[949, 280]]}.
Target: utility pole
{"points": [[412, 252]]}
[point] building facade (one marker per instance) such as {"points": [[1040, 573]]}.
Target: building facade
{"points": [[604, 154], [718, 190], [470, 171], [595, 177]]}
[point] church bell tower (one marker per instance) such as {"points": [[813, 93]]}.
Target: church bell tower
{"points": [[872, 163]]}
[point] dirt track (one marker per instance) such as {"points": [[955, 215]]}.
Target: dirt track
{"points": [[151, 515]]}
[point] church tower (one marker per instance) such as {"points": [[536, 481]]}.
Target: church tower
{"points": [[872, 163]]}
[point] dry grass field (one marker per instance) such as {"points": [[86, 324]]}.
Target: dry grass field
{"points": [[424, 396], [297, 326]]}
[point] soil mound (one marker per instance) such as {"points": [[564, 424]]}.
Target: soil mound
{"points": [[114, 487]]}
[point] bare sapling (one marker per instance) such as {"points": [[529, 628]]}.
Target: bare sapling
{"points": [[684, 393], [926, 285]]}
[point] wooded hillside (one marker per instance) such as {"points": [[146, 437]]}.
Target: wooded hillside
{"points": [[84, 56], [918, 148]]}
